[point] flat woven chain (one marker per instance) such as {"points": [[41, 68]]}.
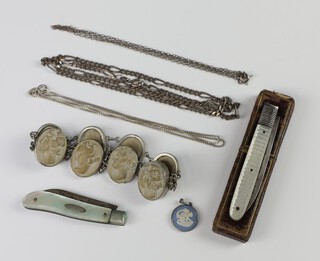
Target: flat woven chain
{"points": [[42, 92], [142, 85], [240, 76]]}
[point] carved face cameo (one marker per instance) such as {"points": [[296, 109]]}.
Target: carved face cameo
{"points": [[51, 146], [153, 179], [86, 158], [122, 164]]}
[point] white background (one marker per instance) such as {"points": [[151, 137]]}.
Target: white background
{"points": [[276, 41]]}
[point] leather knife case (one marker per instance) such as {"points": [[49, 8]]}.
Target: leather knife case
{"points": [[241, 230]]}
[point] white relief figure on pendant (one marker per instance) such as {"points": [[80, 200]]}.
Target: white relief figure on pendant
{"points": [[184, 217]]}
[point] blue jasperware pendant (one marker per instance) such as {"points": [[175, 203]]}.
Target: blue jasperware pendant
{"points": [[185, 217]]}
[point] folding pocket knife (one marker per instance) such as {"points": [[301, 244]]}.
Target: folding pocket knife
{"points": [[75, 206], [256, 161]]}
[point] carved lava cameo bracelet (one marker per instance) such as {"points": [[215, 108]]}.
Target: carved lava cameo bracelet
{"points": [[90, 153]]}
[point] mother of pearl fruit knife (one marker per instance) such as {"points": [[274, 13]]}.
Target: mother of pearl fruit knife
{"points": [[75, 206], [255, 163]]}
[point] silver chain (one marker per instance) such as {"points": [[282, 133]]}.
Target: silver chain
{"points": [[173, 180], [142, 85], [33, 136], [43, 92], [240, 76], [71, 144]]}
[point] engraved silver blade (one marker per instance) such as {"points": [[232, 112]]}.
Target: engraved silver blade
{"points": [[253, 162]]}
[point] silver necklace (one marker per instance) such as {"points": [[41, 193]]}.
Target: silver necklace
{"points": [[142, 85], [240, 76], [42, 92]]}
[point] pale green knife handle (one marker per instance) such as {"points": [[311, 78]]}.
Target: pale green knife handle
{"points": [[66, 206]]}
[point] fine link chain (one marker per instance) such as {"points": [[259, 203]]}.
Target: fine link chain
{"points": [[173, 180], [71, 144], [42, 92], [104, 163], [240, 76], [33, 136], [138, 84]]}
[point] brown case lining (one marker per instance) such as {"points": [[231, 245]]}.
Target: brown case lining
{"points": [[242, 229]]}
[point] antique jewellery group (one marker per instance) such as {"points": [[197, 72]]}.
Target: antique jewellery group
{"points": [[123, 159], [90, 153]]}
